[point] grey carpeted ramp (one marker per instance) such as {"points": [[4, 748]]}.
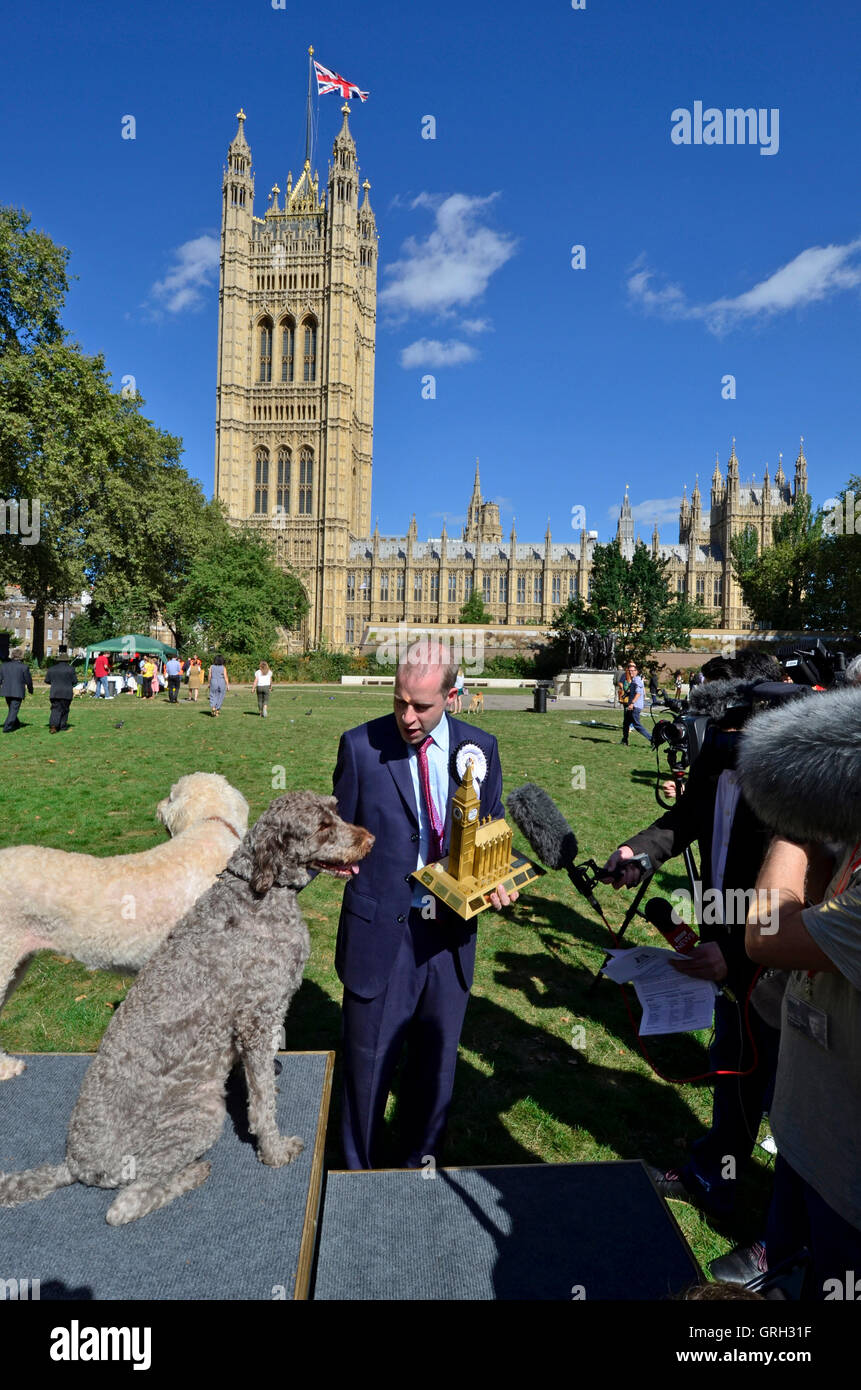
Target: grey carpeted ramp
{"points": [[247, 1233], [544, 1231]]}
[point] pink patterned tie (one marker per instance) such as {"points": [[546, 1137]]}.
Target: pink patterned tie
{"points": [[436, 827]]}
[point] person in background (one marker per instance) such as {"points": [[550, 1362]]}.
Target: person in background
{"points": [[61, 679], [101, 667], [15, 681], [219, 685], [262, 684], [678, 685], [458, 691], [147, 672], [195, 678], [634, 700], [174, 678]]}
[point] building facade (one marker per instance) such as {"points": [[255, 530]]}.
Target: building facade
{"points": [[294, 431], [295, 393], [16, 616]]}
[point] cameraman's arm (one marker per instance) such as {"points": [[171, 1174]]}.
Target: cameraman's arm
{"points": [[782, 939]]}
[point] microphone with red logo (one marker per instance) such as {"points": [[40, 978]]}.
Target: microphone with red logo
{"points": [[677, 934]]}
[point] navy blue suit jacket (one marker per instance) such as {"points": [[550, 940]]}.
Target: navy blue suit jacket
{"points": [[374, 789]]}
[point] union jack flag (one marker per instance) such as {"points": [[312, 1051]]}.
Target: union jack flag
{"points": [[328, 81]]}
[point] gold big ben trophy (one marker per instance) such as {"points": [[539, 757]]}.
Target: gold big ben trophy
{"points": [[480, 857]]}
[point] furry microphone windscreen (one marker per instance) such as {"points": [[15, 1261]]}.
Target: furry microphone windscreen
{"points": [[538, 817], [800, 767]]}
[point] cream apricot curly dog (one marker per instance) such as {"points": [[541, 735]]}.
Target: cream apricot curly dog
{"points": [[216, 991], [112, 913]]}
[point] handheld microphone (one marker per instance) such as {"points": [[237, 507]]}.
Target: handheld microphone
{"points": [[551, 838], [660, 914], [538, 817]]}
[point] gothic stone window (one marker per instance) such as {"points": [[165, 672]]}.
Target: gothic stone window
{"points": [[434, 587], [467, 586], [452, 587], [400, 586], [557, 588], [350, 631], [309, 370], [485, 589], [306, 481], [718, 591], [521, 588], [503, 588], [417, 587], [701, 588], [573, 585], [261, 481], [266, 350], [538, 588], [351, 586], [282, 495], [384, 587], [288, 348]]}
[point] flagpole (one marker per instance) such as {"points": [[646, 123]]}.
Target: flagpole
{"points": [[308, 109]]}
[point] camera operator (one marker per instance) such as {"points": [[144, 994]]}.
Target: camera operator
{"points": [[801, 769], [732, 844]]}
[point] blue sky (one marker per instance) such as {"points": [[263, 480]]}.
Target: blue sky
{"points": [[553, 129]]}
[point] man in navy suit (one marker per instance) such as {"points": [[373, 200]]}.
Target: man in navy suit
{"points": [[405, 959]]}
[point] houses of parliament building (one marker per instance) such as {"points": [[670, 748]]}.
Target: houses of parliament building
{"points": [[294, 430]]}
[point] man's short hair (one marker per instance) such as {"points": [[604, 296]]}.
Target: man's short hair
{"points": [[752, 665], [720, 668], [428, 655]]}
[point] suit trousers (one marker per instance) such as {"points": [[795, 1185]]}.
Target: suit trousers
{"points": [[421, 1008], [12, 716], [59, 714]]}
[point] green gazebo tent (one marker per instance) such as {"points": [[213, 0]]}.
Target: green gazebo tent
{"points": [[134, 642]]}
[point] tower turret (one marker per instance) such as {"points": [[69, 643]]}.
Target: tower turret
{"points": [[625, 528], [800, 485]]}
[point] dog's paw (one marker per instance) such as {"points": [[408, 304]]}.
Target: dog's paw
{"points": [[283, 1151], [11, 1066]]}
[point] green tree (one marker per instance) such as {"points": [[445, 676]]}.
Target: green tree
{"points": [[778, 583], [109, 506], [632, 599], [235, 597], [474, 611]]}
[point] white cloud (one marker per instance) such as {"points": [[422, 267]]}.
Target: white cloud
{"points": [[430, 352], [813, 275], [453, 264], [664, 510], [476, 326], [194, 268]]}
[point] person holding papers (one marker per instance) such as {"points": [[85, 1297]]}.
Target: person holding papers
{"points": [[732, 845]]}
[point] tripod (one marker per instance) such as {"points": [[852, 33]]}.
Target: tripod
{"points": [[678, 762]]}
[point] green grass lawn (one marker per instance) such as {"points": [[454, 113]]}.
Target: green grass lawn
{"points": [[524, 1093]]}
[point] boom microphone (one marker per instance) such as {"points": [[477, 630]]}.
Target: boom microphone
{"points": [[660, 914], [538, 817]]}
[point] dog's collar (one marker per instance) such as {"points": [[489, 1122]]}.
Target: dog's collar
{"points": [[227, 823]]}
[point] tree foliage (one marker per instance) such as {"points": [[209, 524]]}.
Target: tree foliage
{"points": [[474, 611], [632, 599], [796, 582], [117, 513], [235, 597]]}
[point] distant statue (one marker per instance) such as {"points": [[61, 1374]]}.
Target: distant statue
{"points": [[591, 651]]}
